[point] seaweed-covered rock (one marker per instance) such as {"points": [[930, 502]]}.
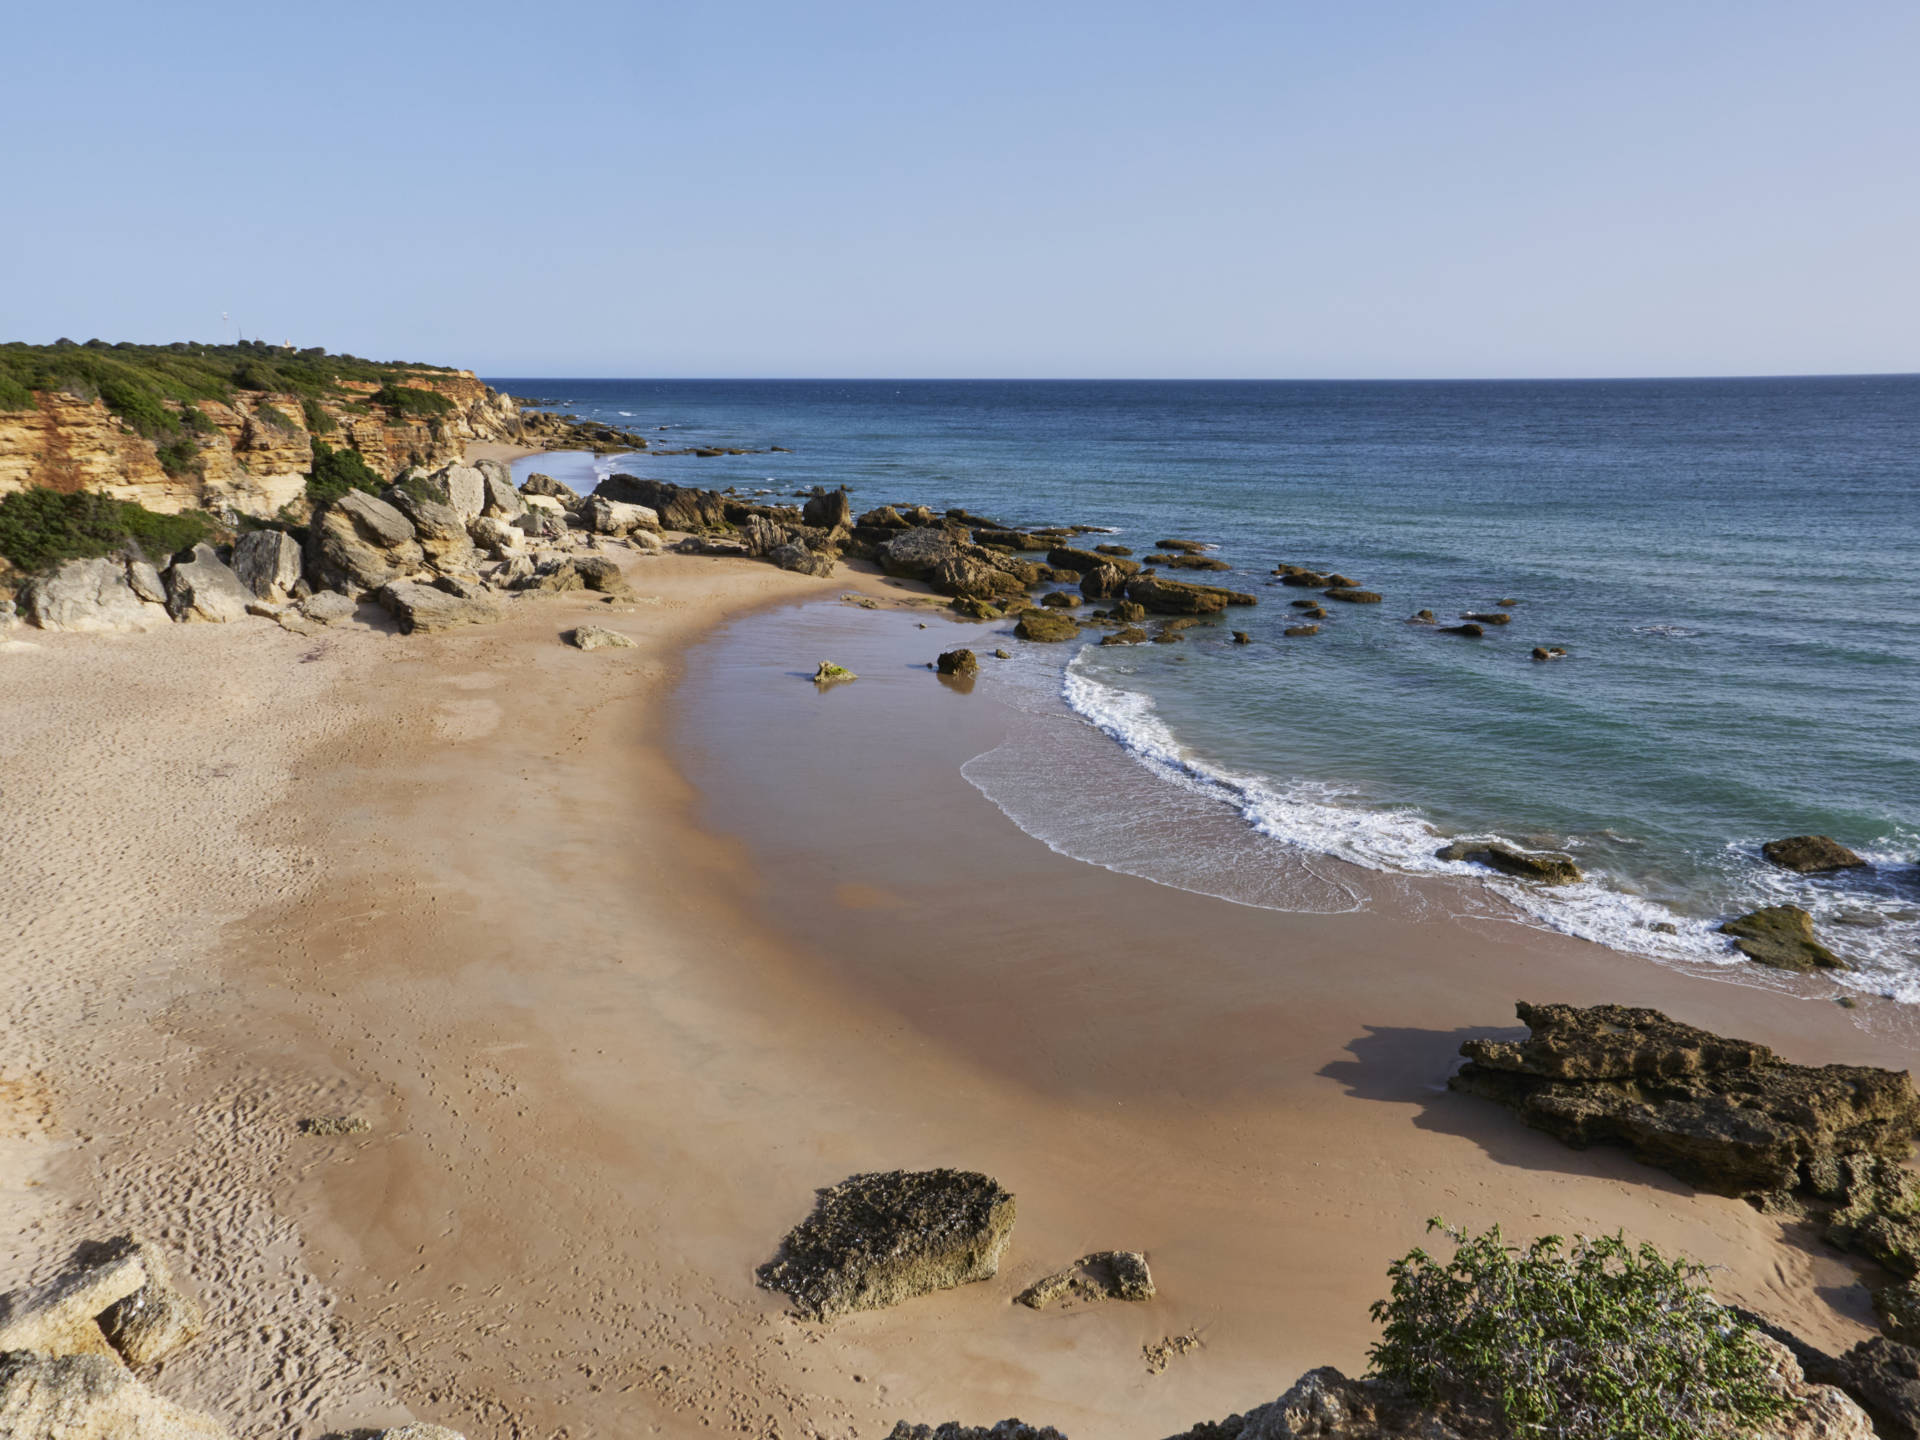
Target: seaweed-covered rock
{"points": [[1130, 635], [1046, 625], [1193, 562], [875, 1240], [830, 673], [1781, 936], [1811, 854], [1297, 632], [1725, 1115], [1351, 595], [1181, 597], [1066, 557], [1102, 581], [966, 575], [1487, 617], [957, 662], [1103, 1275], [1466, 628], [1549, 867], [1549, 652], [1184, 547], [1060, 600]]}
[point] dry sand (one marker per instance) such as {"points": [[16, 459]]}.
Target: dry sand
{"points": [[460, 887]]}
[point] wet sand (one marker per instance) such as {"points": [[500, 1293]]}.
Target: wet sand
{"points": [[618, 982]]}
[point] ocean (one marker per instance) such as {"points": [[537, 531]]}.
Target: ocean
{"points": [[1732, 566]]}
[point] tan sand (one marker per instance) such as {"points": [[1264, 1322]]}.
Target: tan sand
{"points": [[458, 886]]}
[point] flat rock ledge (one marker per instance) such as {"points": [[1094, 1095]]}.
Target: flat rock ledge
{"points": [[876, 1240], [1103, 1275], [1724, 1115]]}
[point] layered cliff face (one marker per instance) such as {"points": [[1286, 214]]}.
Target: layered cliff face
{"points": [[256, 457]]}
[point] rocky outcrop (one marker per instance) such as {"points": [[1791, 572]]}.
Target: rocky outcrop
{"points": [[91, 596], [617, 517], [828, 509], [427, 609], [1781, 937], [1548, 867], [1811, 854], [876, 1240], [797, 557], [546, 487], [678, 507], [957, 662], [268, 563], [1103, 1275], [917, 554], [439, 522], [359, 543], [1725, 1115], [969, 577], [201, 587]]}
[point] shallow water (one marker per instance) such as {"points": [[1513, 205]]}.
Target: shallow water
{"points": [[1730, 564]]}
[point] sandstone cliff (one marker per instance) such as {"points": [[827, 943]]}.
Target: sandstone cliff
{"points": [[257, 456]]}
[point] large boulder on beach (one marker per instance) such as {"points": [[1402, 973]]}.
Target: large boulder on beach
{"points": [[601, 573], [268, 563], [426, 609], [1811, 854], [116, 1296], [359, 543], [679, 507], [439, 526], [548, 488], [501, 498], [1548, 867], [1780, 936], [616, 517], [203, 587], [828, 509], [798, 558], [915, 554], [965, 576], [876, 1240], [89, 1397], [1725, 1115], [91, 596]]}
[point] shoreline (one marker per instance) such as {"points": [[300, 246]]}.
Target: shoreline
{"points": [[609, 1040]]}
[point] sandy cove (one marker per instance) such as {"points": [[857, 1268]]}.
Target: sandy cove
{"points": [[459, 885]]}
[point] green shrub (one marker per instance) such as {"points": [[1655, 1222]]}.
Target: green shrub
{"points": [[14, 394], [276, 417], [253, 375], [41, 527], [337, 471], [318, 420], [180, 456], [194, 420], [405, 400], [1597, 1342]]}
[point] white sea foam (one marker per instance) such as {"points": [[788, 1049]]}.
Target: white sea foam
{"points": [[1324, 820]]}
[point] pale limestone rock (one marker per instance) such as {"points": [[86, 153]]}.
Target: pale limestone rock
{"points": [[597, 637], [203, 588], [144, 580], [423, 609], [328, 607], [58, 1318], [87, 596], [359, 543], [464, 487], [89, 1397], [502, 498]]}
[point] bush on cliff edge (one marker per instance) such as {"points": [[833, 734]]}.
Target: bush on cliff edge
{"points": [[337, 471], [1592, 1343], [40, 528]]}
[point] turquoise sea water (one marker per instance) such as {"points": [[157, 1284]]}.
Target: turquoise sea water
{"points": [[1733, 567]]}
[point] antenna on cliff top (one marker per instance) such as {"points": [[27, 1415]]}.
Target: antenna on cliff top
{"points": [[225, 325]]}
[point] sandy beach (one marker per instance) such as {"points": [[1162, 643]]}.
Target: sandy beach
{"points": [[623, 955]]}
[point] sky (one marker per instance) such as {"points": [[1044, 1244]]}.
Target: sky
{"points": [[1445, 188]]}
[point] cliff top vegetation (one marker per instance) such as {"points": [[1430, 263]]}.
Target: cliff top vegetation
{"points": [[136, 381]]}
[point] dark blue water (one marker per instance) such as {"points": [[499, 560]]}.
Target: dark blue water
{"points": [[1731, 566]]}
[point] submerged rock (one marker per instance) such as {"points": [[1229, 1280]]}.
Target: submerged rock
{"points": [[829, 673], [1725, 1115], [1811, 854], [1549, 652], [1130, 635], [1781, 936], [1487, 617], [1549, 867], [1297, 632], [1349, 595], [876, 1240], [1469, 629]]}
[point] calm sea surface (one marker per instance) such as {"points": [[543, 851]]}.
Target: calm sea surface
{"points": [[1733, 567]]}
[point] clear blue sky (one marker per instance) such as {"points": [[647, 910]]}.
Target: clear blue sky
{"points": [[1342, 188]]}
